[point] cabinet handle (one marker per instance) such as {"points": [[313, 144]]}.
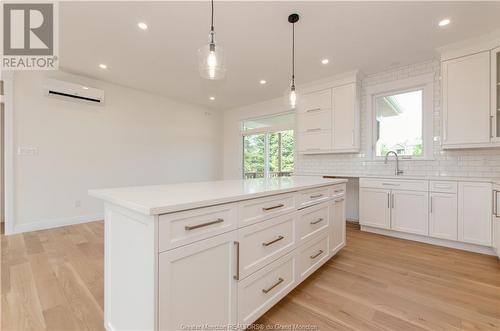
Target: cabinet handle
{"points": [[312, 257], [339, 200], [192, 227], [313, 130], [388, 201], [273, 207], [317, 221], [393, 204], [390, 184], [273, 241], [495, 203], [267, 290], [338, 191], [316, 196], [431, 204], [237, 276], [492, 118], [313, 110]]}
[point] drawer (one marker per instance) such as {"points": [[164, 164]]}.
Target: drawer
{"points": [[315, 122], [313, 196], [263, 289], [265, 242], [183, 228], [444, 186], [338, 190], [253, 211], [312, 221], [394, 184], [315, 142], [315, 101], [312, 256]]}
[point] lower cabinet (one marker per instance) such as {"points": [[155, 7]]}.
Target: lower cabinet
{"points": [[208, 295], [474, 213], [375, 207], [443, 215], [337, 219], [410, 212]]}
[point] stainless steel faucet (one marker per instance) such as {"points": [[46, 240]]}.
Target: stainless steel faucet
{"points": [[397, 172]]}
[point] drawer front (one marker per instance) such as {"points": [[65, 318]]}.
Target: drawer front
{"points": [[338, 190], [312, 221], [313, 196], [315, 101], [443, 186], [183, 228], [263, 289], [256, 210], [315, 122], [265, 242], [315, 142], [394, 184], [312, 256]]}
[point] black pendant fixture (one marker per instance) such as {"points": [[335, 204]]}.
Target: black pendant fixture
{"points": [[292, 97]]}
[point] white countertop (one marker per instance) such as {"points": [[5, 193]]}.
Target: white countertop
{"points": [[162, 199], [410, 177]]}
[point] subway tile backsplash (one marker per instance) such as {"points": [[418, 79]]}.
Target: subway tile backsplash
{"points": [[466, 162]]}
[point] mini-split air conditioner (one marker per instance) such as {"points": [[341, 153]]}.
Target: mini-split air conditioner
{"points": [[73, 92]]}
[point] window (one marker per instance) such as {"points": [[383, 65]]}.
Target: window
{"points": [[402, 118], [268, 146]]}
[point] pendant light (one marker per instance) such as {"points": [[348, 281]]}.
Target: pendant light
{"points": [[211, 59], [292, 96]]}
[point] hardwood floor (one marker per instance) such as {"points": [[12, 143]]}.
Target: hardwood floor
{"points": [[53, 280]]}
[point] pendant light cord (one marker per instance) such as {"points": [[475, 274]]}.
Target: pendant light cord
{"points": [[293, 55], [212, 18]]}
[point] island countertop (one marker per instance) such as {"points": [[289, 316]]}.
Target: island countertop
{"points": [[162, 199]]}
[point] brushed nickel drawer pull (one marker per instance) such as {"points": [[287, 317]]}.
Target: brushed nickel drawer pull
{"points": [[237, 276], [267, 290], [316, 196], [273, 207], [313, 109], [273, 241], [192, 227], [339, 200], [390, 184], [316, 255], [338, 191], [313, 130], [317, 221]]}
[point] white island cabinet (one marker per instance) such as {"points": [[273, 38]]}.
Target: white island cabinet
{"points": [[214, 255]]}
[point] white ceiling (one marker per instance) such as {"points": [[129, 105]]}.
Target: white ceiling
{"points": [[370, 36]]}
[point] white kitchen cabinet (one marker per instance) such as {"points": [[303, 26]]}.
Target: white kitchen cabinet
{"points": [[466, 101], [375, 207], [475, 213], [209, 294], [496, 219], [443, 220], [315, 101], [318, 121], [318, 142], [337, 219], [410, 212], [345, 133], [495, 95]]}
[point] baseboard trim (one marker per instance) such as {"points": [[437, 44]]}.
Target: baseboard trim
{"points": [[433, 241], [56, 223]]}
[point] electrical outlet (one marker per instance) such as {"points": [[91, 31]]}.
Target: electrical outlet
{"points": [[27, 151]]}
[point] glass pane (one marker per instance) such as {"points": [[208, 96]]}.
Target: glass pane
{"points": [[281, 146], [253, 155], [269, 122], [399, 123]]}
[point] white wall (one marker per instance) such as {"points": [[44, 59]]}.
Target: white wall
{"points": [[136, 138]]}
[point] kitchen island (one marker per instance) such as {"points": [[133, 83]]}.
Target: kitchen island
{"points": [[214, 255]]}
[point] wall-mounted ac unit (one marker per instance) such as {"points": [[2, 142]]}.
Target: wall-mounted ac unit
{"points": [[75, 92]]}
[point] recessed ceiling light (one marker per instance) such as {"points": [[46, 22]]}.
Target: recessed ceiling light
{"points": [[444, 22], [85, 87], [103, 66], [212, 98], [325, 61], [262, 81], [142, 26]]}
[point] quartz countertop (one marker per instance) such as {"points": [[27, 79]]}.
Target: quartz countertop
{"points": [[162, 199], [410, 177]]}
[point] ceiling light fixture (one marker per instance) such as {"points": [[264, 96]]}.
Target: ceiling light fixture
{"points": [[444, 22], [262, 82], [292, 96], [325, 61], [103, 66], [212, 98], [211, 59], [142, 26]]}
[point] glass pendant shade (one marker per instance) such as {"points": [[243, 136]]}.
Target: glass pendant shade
{"points": [[211, 60]]}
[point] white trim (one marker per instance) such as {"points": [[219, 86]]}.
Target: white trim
{"points": [[57, 222], [424, 82], [431, 241], [9, 156]]}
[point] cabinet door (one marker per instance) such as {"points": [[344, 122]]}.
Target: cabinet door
{"points": [[315, 101], [196, 284], [410, 212], [344, 118], [374, 208], [337, 227], [315, 142], [466, 100], [474, 213], [443, 220], [495, 95]]}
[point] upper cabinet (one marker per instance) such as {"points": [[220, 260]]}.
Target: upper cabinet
{"points": [[328, 120], [470, 99]]}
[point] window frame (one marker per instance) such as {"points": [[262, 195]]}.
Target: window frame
{"points": [[425, 83]]}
